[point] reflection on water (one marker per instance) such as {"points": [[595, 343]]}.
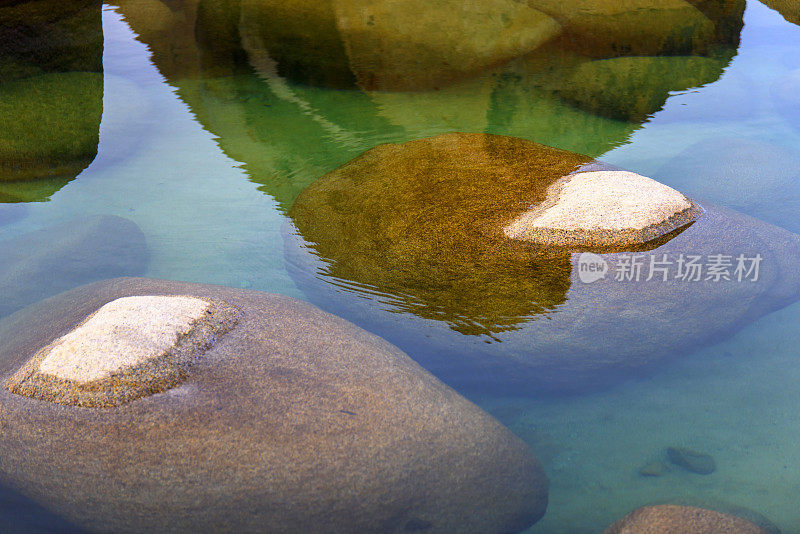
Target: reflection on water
{"points": [[51, 95], [788, 8], [248, 71]]}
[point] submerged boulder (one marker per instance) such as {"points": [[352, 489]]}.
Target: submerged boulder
{"points": [[691, 460], [411, 241], [48, 261], [670, 519], [285, 419], [741, 174]]}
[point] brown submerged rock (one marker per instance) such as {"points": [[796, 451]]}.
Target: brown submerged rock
{"points": [[455, 208], [669, 519], [416, 228], [654, 469], [292, 421], [405, 218]]}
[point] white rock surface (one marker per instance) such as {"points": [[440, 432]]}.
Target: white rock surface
{"points": [[123, 333], [600, 201]]}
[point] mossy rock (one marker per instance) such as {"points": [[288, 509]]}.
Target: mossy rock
{"points": [[609, 28], [51, 95], [407, 240], [293, 420], [51, 132], [634, 88], [384, 45], [41, 36]]}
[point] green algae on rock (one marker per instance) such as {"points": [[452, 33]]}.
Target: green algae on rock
{"points": [[670, 519], [51, 134], [408, 241], [277, 427], [51, 95], [634, 88]]}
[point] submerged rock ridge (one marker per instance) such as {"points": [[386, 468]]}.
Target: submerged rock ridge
{"points": [[671, 519], [284, 419], [493, 217], [467, 234]]}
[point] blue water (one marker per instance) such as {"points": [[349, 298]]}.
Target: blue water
{"points": [[190, 162]]}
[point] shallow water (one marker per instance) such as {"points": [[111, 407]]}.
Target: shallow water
{"points": [[208, 156]]}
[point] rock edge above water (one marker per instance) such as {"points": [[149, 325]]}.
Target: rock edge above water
{"points": [[129, 348]]}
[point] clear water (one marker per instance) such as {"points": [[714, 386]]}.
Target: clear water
{"points": [[208, 167]]}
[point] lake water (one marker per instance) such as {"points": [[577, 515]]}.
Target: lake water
{"points": [[207, 155]]}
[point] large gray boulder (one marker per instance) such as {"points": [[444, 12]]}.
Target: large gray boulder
{"points": [[409, 242], [48, 261], [289, 420]]}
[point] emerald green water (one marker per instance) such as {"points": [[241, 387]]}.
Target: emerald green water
{"points": [[207, 159]]}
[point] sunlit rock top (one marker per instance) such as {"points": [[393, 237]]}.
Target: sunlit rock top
{"points": [[604, 208]]}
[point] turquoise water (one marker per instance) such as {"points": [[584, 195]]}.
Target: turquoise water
{"points": [[208, 167]]}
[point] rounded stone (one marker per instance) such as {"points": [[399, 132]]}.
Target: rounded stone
{"points": [[294, 420], [670, 519], [604, 208]]}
